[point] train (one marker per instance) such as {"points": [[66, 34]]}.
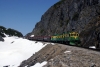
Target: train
{"points": [[69, 38]]}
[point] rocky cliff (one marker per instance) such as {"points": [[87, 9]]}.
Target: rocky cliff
{"points": [[65, 15]]}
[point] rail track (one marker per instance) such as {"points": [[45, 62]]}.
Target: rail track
{"points": [[94, 49]]}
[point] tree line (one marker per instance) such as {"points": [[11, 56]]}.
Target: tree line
{"points": [[10, 32]]}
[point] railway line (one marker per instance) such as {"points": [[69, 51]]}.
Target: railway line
{"points": [[94, 49], [69, 38]]}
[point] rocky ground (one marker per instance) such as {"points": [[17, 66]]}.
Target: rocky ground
{"points": [[59, 55]]}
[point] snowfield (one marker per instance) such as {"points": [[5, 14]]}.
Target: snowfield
{"points": [[14, 50]]}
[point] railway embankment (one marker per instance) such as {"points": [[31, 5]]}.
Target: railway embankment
{"points": [[58, 55]]}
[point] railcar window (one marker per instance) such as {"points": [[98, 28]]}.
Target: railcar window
{"points": [[73, 34], [69, 35], [54, 36], [66, 35]]}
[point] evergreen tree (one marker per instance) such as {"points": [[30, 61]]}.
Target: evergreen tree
{"points": [[10, 32]]}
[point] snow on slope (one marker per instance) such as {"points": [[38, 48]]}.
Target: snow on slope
{"points": [[14, 50], [39, 64]]}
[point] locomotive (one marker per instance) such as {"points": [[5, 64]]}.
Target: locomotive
{"points": [[70, 38]]}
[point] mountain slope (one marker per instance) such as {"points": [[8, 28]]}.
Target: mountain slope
{"points": [[71, 14], [59, 55], [66, 15], [14, 50]]}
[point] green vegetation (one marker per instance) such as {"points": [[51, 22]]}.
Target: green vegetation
{"points": [[13, 32], [10, 32], [1, 27], [75, 16], [2, 30]]}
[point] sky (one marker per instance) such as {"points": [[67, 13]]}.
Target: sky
{"points": [[17, 50], [22, 15]]}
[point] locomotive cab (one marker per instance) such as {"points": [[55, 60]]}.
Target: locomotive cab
{"points": [[74, 38], [74, 35]]}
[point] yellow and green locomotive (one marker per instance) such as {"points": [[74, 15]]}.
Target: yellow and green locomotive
{"points": [[71, 38]]}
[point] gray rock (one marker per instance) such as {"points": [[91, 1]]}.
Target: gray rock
{"points": [[66, 15]]}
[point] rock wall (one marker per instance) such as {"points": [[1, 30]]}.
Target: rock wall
{"points": [[66, 15]]}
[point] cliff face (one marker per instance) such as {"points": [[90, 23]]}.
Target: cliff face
{"points": [[66, 15]]}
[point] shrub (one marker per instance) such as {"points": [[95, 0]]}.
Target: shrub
{"points": [[13, 32], [10, 32], [2, 30]]}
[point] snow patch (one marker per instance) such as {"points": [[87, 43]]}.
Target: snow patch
{"points": [[92, 47], [32, 36], [52, 43], [67, 51], [15, 50], [40, 64]]}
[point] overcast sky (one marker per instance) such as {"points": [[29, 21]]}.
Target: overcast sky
{"points": [[22, 15]]}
